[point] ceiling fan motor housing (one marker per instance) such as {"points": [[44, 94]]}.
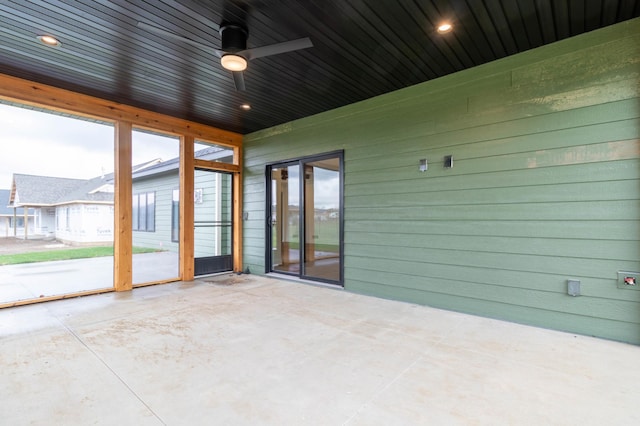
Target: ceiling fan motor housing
{"points": [[234, 38]]}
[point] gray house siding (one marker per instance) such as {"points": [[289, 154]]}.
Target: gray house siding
{"points": [[163, 186], [215, 207], [209, 240], [545, 186]]}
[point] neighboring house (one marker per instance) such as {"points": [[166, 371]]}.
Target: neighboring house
{"points": [[12, 219], [80, 211], [156, 205], [73, 211]]}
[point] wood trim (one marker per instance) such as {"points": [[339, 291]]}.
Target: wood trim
{"points": [[186, 208], [125, 119], [237, 211], [149, 283], [39, 95], [123, 239], [56, 297], [216, 165]]}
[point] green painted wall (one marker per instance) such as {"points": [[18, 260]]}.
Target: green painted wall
{"points": [[545, 186]]}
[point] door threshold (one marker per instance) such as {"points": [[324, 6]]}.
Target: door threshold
{"points": [[295, 279]]}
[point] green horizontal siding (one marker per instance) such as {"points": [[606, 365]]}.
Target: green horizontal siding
{"points": [[545, 186], [163, 187]]}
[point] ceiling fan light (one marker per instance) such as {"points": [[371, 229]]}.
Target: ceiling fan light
{"points": [[233, 62]]}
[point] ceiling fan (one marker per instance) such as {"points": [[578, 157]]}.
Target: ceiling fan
{"points": [[234, 55]]}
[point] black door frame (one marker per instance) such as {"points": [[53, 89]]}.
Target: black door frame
{"points": [[301, 161], [215, 264]]}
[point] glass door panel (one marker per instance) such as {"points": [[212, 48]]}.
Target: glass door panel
{"points": [[285, 219], [322, 219], [305, 224], [213, 222]]}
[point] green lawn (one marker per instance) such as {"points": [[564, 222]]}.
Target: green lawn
{"points": [[76, 253]]}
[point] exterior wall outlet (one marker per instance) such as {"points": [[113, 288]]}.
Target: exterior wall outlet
{"points": [[573, 287], [629, 280]]}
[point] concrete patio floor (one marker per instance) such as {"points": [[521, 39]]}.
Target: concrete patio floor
{"points": [[255, 350]]}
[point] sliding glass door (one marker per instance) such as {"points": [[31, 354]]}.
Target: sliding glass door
{"points": [[304, 235]]}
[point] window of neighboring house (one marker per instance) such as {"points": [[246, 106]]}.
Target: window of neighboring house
{"points": [[175, 215], [144, 212]]}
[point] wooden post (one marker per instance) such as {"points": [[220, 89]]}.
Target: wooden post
{"points": [[186, 208], [15, 222], [237, 210], [123, 240]]}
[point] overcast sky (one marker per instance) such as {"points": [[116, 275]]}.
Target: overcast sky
{"points": [[38, 143]]}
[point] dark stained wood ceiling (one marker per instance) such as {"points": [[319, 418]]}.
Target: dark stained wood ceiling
{"points": [[362, 48]]}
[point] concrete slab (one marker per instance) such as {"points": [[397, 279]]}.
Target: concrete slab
{"points": [[257, 350], [42, 279]]}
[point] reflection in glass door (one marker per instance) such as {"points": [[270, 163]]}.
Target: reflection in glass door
{"points": [[322, 219], [212, 222], [285, 218], [305, 235]]}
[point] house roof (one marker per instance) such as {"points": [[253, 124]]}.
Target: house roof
{"points": [[5, 210], [213, 153], [33, 190], [361, 49]]}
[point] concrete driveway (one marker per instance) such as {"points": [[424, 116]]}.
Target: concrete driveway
{"points": [[42, 279]]}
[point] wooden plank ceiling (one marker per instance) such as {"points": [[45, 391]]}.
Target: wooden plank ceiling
{"points": [[362, 48]]}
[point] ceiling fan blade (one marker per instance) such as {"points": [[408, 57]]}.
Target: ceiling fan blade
{"points": [[168, 34], [238, 79], [275, 49]]}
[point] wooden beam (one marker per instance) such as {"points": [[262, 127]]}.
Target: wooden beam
{"points": [[55, 297], [186, 208], [39, 95], [216, 165], [123, 240], [237, 210]]}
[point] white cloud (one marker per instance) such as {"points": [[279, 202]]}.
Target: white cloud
{"points": [[39, 143]]}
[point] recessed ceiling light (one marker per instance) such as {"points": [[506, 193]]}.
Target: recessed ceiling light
{"points": [[49, 40], [245, 107], [445, 27]]}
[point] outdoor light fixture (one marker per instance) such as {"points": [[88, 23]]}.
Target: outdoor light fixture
{"points": [[245, 107], [233, 62], [49, 40], [444, 27]]}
